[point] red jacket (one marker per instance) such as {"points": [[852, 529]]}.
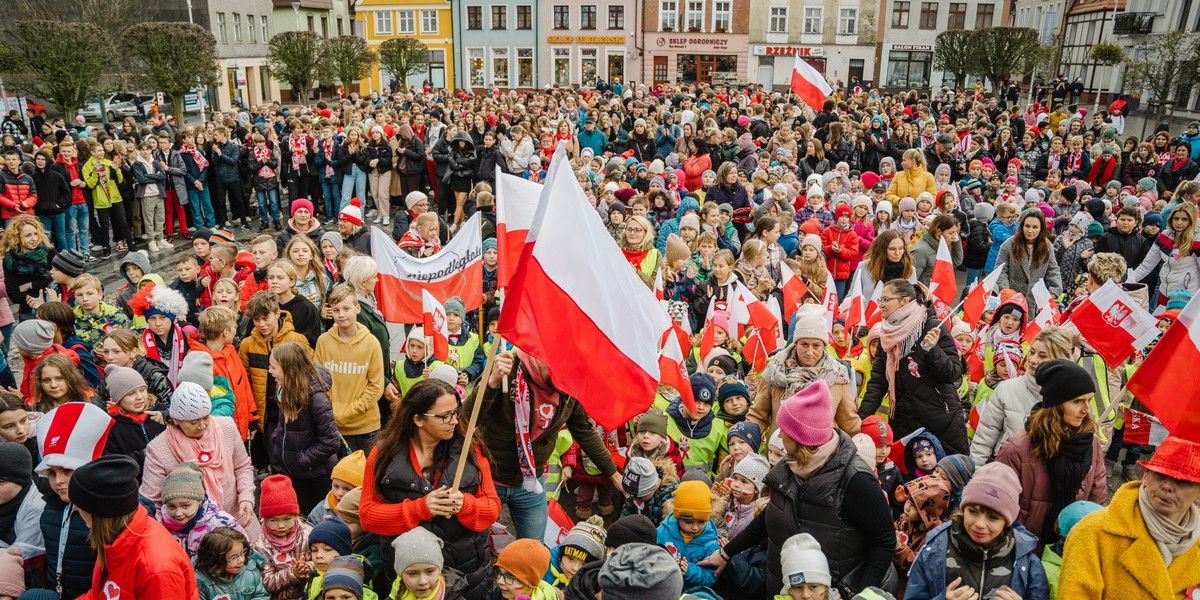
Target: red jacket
{"points": [[694, 167], [144, 562], [17, 194], [840, 263]]}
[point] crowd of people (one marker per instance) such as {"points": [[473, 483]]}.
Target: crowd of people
{"points": [[247, 430]]}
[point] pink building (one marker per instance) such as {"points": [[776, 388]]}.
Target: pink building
{"points": [[580, 43]]}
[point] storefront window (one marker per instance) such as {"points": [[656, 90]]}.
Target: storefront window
{"points": [[562, 66], [698, 68], [616, 67], [525, 67], [500, 67], [909, 69], [685, 68], [588, 61], [477, 68]]}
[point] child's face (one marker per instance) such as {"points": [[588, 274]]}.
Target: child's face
{"points": [[976, 170], [691, 527], [570, 565], [908, 215], [59, 277], [280, 525], [201, 247], [88, 298], [225, 296], [187, 271], [736, 405], [742, 488], [133, 272], [649, 441], [1002, 369], [882, 453], [926, 460], [181, 510], [988, 172], [268, 324], [774, 455], [719, 336], [1150, 229], [739, 449], [345, 312], [114, 354], [911, 513], [235, 559], [639, 210], [965, 341], [415, 350], [490, 258], [721, 269], [702, 409], [321, 554], [421, 579], [1009, 323], [135, 402], [808, 591], [14, 426], [707, 249], [708, 181], [328, 250], [943, 177], [264, 254], [159, 324], [982, 526], [340, 488]]}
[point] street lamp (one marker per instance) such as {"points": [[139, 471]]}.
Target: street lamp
{"points": [[296, 9]]}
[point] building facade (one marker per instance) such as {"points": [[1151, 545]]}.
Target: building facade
{"points": [[908, 30], [496, 44], [583, 43], [836, 37], [326, 18], [1131, 27], [243, 29], [429, 21], [695, 41]]}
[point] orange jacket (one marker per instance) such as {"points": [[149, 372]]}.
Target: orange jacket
{"points": [[227, 364]]}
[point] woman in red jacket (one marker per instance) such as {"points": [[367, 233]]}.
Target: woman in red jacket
{"points": [[408, 479], [136, 557], [841, 248]]}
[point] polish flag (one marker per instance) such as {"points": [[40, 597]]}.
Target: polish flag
{"points": [[874, 315], [1047, 316], [673, 367], [759, 345], [1143, 428], [1167, 381], [706, 340], [516, 202], [793, 291], [1044, 299], [977, 298], [809, 84], [1116, 326], [746, 309], [574, 289], [435, 325], [975, 358], [660, 285], [457, 270], [780, 326], [942, 284], [830, 300], [853, 306]]}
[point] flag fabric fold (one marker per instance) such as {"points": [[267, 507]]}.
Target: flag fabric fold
{"points": [[1168, 382], [976, 299], [809, 84], [516, 203], [435, 326], [1114, 324], [457, 270]]}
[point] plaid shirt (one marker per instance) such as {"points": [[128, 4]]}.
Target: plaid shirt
{"points": [[824, 217]]}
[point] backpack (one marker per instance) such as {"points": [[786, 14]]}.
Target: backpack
{"points": [[979, 242]]}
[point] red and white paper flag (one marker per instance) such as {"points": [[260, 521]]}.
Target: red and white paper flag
{"points": [[793, 288], [1168, 382], [1143, 428], [673, 368], [942, 283], [809, 84], [435, 325], [976, 299], [1114, 324]]}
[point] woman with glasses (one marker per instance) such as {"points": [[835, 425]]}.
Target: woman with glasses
{"points": [[637, 243], [408, 479], [305, 442], [918, 370]]}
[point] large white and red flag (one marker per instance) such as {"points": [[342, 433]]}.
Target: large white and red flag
{"points": [[853, 307], [942, 284], [874, 314], [809, 84], [1167, 381], [516, 202], [435, 325], [457, 270], [574, 291], [1114, 324], [976, 300]]}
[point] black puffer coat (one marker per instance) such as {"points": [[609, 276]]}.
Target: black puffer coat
{"points": [[306, 448]]}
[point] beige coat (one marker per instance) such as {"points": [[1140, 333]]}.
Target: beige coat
{"points": [[768, 397]]}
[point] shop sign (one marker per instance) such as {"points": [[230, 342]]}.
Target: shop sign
{"points": [[685, 42], [788, 51], [585, 39], [925, 47]]}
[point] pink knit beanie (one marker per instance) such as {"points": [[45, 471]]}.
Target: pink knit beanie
{"points": [[995, 486], [807, 417]]}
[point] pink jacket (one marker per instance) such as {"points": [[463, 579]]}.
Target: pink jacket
{"points": [[866, 235], [1035, 500]]}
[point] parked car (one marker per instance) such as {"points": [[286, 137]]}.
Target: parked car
{"points": [[39, 109], [119, 106]]}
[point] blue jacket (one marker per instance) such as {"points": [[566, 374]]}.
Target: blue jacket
{"points": [[87, 361], [1000, 233], [596, 140], [1193, 141], [672, 225], [699, 548], [145, 178], [319, 160], [665, 137], [927, 578]]}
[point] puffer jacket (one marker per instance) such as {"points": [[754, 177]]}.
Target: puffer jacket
{"points": [[277, 574], [1177, 272], [1037, 507], [254, 353], [668, 481], [144, 562], [841, 263], [672, 225], [246, 585], [18, 194], [926, 385], [644, 148], [1135, 170], [103, 179], [1111, 556], [461, 165], [1003, 416], [306, 447], [909, 184], [927, 578], [1022, 276]]}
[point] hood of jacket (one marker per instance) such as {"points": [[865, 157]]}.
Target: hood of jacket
{"points": [[910, 460], [138, 260], [463, 136], [699, 430], [930, 497]]}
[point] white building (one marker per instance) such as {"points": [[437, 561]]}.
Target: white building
{"points": [[907, 33], [836, 37]]}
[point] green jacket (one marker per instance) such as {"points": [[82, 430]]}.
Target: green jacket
{"points": [[102, 178], [90, 327], [1052, 562], [246, 585]]}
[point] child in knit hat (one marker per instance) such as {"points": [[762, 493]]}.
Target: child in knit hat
{"points": [[418, 360], [700, 435], [925, 500], [648, 485], [689, 535], [954, 552], [519, 570], [421, 568], [327, 542], [956, 471], [744, 497], [805, 569], [162, 307], [187, 511], [583, 544], [347, 474], [733, 397], [365, 544], [284, 539], [134, 424], [921, 455], [775, 449], [226, 567], [890, 478], [344, 580], [1052, 556], [742, 440]]}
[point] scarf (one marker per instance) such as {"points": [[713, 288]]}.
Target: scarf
{"points": [[439, 592], [1052, 160], [330, 266], [907, 227], [182, 529], [820, 458], [531, 393], [1172, 539], [174, 359], [1074, 162], [996, 336], [901, 332], [262, 155], [635, 257], [287, 543], [786, 374], [1068, 467], [327, 148], [197, 157], [299, 147], [209, 453]]}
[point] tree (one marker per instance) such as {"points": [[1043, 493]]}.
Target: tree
{"points": [[1001, 51], [952, 52], [295, 58], [62, 62], [403, 58], [347, 59], [113, 16], [172, 57], [1164, 65]]}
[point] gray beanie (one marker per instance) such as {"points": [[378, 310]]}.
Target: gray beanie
{"points": [[585, 541], [418, 546], [197, 368], [984, 212], [189, 402], [185, 481], [640, 572], [454, 306], [121, 381], [34, 336], [640, 478], [334, 238]]}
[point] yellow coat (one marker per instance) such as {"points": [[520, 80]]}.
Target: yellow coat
{"points": [[1109, 555], [909, 184]]}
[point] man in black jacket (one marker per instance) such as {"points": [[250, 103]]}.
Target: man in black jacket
{"points": [[942, 152]]}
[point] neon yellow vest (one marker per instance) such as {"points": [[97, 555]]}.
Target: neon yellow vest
{"points": [[554, 467], [700, 451], [405, 382], [1096, 367], [463, 355]]}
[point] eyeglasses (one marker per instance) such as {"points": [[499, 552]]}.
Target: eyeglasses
{"points": [[446, 418], [504, 577], [890, 298], [635, 230], [242, 556]]}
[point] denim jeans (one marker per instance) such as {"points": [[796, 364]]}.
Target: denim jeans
{"points": [[528, 510], [77, 229], [354, 185], [329, 190], [57, 227], [201, 203], [263, 196]]}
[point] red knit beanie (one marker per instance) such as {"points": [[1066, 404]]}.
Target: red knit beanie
{"points": [[278, 498]]}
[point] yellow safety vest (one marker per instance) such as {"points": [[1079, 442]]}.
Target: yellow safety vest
{"points": [[1119, 422], [462, 355], [553, 481], [405, 382], [1100, 403]]}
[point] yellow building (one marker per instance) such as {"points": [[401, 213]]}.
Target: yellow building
{"points": [[426, 20]]}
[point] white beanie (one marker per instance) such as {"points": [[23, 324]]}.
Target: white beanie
{"points": [[802, 561], [444, 373], [810, 321], [885, 206], [815, 190], [776, 441], [418, 334], [189, 402], [753, 467]]}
